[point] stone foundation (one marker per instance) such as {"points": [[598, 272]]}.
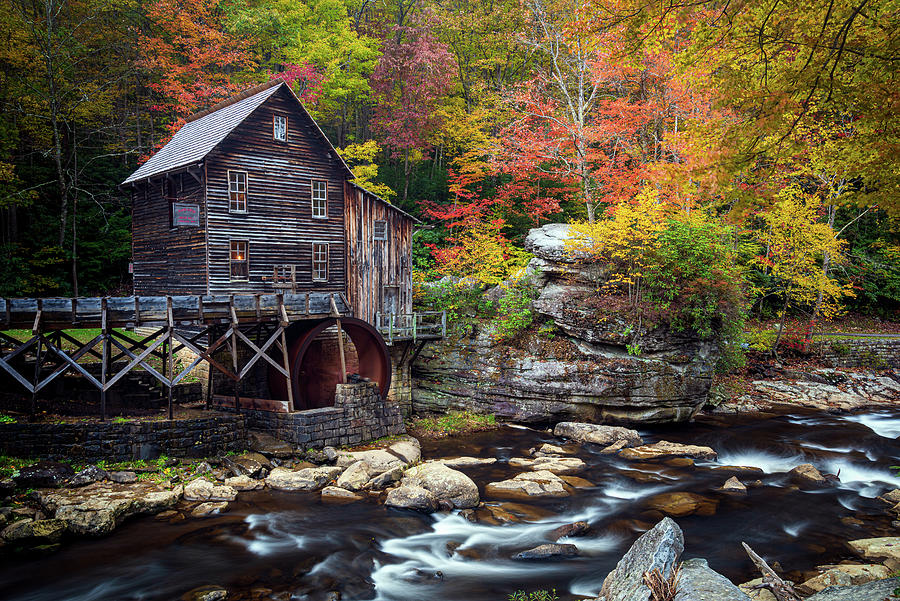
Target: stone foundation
{"points": [[871, 353], [200, 437], [359, 415]]}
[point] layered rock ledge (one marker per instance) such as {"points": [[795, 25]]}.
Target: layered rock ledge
{"points": [[575, 365]]}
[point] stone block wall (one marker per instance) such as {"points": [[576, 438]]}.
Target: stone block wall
{"points": [[401, 391], [871, 353], [358, 415], [129, 441]]}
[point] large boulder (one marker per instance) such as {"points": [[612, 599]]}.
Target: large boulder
{"points": [[201, 489], [412, 497], [310, 478], [657, 549], [355, 476], [584, 371], [597, 434], [88, 475], [44, 474], [698, 582], [446, 484], [806, 473]]}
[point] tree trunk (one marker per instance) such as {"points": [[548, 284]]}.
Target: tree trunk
{"points": [[781, 325], [826, 265], [405, 176]]}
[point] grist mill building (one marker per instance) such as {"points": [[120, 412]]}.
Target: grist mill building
{"points": [[249, 197]]}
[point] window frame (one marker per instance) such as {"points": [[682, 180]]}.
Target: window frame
{"points": [[275, 119], [313, 199], [384, 235], [313, 261], [245, 261], [246, 191]]}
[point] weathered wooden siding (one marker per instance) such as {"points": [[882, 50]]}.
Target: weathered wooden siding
{"points": [[375, 264], [278, 224], [167, 260]]}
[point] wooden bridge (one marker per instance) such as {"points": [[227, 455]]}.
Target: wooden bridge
{"points": [[257, 321]]}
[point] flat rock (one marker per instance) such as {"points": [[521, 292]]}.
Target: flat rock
{"points": [[379, 460], [657, 549], [355, 476], [576, 482], [807, 473], [557, 465], [458, 462], [680, 504], [846, 575], [248, 464], [871, 591], [310, 478], [242, 483], [614, 447], [335, 494], [548, 551], [96, 509], [885, 549], [33, 533], [664, 448], [88, 475], [445, 483], [209, 508], [408, 449], [596, 433], [529, 484], [891, 497], [699, 582], [412, 497], [44, 474], [201, 489]]}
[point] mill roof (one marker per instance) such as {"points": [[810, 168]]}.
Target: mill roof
{"points": [[207, 129]]}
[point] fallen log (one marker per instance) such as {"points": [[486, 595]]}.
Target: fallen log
{"points": [[782, 590]]}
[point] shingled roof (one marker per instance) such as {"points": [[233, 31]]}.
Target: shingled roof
{"points": [[206, 130]]}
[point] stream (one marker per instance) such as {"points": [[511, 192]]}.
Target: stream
{"points": [[291, 543]]}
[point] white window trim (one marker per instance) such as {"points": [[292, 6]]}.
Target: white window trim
{"points": [[313, 261], [274, 121], [312, 199], [231, 277], [246, 191]]}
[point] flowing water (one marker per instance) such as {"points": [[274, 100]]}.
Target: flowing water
{"points": [[292, 543]]}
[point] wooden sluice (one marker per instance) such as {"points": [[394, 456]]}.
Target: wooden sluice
{"points": [[224, 322]]}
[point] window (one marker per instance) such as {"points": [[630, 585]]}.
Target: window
{"points": [[279, 128], [237, 191], [319, 199], [380, 230], [240, 262], [319, 262]]}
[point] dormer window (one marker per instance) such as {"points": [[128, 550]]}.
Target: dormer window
{"points": [[319, 199], [279, 128]]}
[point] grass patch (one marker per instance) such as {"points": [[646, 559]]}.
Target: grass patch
{"points": [[454, 423], [10, 466]]}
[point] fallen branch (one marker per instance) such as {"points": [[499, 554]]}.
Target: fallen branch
{"points": [[782, 590]]}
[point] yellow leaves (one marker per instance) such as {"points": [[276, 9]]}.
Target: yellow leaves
{"points": [[482, 253], [361, 158], [799, 249]]}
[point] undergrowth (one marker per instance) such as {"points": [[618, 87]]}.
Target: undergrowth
{"points": [[453, 423]]}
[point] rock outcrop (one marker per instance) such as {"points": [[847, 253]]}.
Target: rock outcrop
{"points": [[581, 370], [657, 549]]}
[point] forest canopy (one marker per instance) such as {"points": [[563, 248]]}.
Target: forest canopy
{"points": [[775, 125]]}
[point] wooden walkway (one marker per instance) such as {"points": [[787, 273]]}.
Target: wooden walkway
{"points": [[222, 323]]}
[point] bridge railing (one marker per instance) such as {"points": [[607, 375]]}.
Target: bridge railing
{"points": [[427, 325]]}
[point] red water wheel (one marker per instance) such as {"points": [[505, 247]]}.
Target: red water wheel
{"points": [[315, 360]]}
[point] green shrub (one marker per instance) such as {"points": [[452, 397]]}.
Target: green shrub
{"points": [[541, 595], [7, 419], [513, 313]]}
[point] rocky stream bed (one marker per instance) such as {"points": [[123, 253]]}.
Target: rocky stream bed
{"points": [[480, 516]]}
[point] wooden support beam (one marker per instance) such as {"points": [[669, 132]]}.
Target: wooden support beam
{"points": [[171, 360], [341, 350], [104, 332], [234, 355]]}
